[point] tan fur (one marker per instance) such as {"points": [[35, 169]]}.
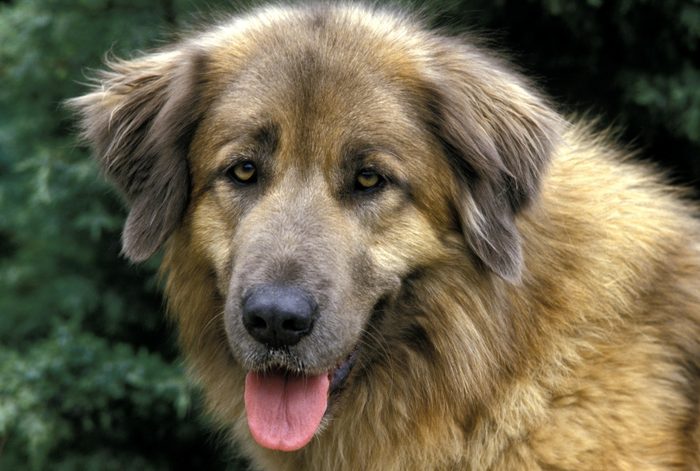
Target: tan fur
{"points": [[574, 344]]}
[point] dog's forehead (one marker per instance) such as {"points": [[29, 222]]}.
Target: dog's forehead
{"points": [[318, 107], [322, 97]]}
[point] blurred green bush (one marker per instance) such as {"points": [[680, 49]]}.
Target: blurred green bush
{"points": [[89, 375]]}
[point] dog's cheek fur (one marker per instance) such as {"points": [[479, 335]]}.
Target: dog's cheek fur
{"points": [[139, 120], [499, 135]]}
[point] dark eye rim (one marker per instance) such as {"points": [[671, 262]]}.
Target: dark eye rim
{"points": [[231, 175], [381, 182]]}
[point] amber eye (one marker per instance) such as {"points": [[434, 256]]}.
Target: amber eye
{"points": [[368, 179], [244, 173]]}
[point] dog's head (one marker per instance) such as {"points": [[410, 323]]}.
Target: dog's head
{"points": [[312, 159]]}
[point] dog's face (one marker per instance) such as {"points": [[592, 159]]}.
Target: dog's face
{"points": [[314, 159], [313, 201], [298, 192]]}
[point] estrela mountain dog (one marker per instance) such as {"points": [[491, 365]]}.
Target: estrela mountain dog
{"points": [[385, 250]]}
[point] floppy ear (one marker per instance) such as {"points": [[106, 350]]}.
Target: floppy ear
{"points": [[139, 120], [498, 135]]}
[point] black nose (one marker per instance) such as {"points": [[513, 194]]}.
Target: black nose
{"points": [[278, 315]]}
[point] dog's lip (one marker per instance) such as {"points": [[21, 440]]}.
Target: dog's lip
{"points": [[337, 375], [340, 374]]}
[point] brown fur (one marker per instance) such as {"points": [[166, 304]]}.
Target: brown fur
{"points": [[520, 294]]}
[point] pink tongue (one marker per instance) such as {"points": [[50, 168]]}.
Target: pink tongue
{"points": [[284, 411]]}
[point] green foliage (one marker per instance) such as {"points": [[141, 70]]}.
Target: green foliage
{"points": [[88, 372], [89, 375], [78, 388]]}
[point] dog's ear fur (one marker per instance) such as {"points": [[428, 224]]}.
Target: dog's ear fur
{"points": [[139, 120], [498, 134]]}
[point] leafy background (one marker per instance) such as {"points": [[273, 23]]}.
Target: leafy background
{"points": [[89, 372]]}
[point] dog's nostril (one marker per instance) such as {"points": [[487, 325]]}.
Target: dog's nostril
{"points": [[258, 322], [279, 315], [294, 325]]}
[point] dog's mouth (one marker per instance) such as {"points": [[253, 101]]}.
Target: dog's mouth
{"points": [[285, 408]]}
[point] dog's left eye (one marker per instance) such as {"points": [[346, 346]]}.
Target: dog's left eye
{"points": [[367, 179]]}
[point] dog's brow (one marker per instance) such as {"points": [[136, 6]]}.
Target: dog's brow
{"points": [[267, 137], [359, 153]]}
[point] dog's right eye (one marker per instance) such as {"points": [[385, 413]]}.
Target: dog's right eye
{"points": [[243, 173], [368, 180]]}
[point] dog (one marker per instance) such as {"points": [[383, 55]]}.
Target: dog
{"points": [[384, 249]]}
